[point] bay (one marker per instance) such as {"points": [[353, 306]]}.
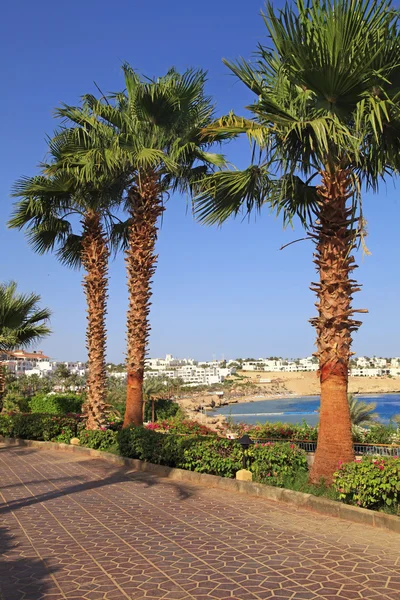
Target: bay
{"points": [[295, 410]]}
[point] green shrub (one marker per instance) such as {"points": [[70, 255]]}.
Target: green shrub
{"points": [[369, 482], [65, 436], [215, 456], [36, 426], [6, 425], [274, 463], [56, 404], [163, 409], [148, 445], [99, 439], [376, 434]]}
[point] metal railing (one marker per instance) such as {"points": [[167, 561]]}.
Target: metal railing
{"points": [[311, 446]]}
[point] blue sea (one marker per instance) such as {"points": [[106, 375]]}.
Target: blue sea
{"points": [[294, 410]]}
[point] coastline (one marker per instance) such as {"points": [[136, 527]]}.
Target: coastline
{"points": [[250, 388]]}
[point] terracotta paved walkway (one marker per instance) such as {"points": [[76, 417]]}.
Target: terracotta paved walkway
{"points": [[76, 527]]}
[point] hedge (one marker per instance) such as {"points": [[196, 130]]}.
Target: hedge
{"points": [[43, 427], [56, 404]]}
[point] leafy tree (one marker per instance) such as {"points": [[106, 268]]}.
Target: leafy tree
{"points": [[153, 135], [22, 323], [326, 108], [72, 218]]}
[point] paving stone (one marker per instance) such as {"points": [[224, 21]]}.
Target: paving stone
{"points": [[77, 527]]}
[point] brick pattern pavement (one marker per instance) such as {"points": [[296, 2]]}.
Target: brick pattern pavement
{"points": [[78, 527]]}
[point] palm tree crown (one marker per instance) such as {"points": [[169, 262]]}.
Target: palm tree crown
{"points": [[22, 323], [74, 219]]}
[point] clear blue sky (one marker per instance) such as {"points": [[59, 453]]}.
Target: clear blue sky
{"points": [[226, 291]]}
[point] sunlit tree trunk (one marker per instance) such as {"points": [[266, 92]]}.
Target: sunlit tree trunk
{"points": [[334, 235], [145, 208], [95, 256], [2, 385]]}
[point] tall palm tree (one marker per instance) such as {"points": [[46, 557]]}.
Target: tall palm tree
{"points": [[326, 108], [73, 219], [151, 134], [22, 323]]}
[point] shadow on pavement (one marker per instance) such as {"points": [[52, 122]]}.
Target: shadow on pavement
{"points": [[119, 475], [21, 578]]}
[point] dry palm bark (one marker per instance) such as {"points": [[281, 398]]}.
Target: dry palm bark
{"points": [[334, 235], [145, 208], [94, 258]]}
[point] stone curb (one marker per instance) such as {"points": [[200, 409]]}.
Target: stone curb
{"points": [[322, 506]]}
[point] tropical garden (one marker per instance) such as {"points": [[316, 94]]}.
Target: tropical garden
{"points": [[323, 128]]}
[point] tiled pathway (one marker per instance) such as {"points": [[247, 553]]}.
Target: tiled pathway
{"points": [[78, 527]]}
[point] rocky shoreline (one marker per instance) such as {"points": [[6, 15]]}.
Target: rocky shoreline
{"points": [[280, 386]]}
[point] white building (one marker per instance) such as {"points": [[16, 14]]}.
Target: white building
{"points": [[19, 361], [279, 365], [193, 374], [369, 372]]}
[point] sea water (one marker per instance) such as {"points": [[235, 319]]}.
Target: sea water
{"points": [[295, 410]]}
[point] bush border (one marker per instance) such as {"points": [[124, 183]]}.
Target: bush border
{"points": [[316, 504]]}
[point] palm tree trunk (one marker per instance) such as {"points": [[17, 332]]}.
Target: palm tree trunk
{"points": [[2, 385], [95, 256], [145, 209], [153, 412], [334, 235]]}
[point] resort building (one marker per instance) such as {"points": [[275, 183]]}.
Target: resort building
{"points": [[19, 362], [193, 375]]}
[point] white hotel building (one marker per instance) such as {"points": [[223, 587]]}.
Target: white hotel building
{"points": [[188, 370]]}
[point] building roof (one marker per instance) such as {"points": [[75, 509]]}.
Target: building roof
{"points": [[35, 354]]}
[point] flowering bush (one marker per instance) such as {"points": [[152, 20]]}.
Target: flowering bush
{"points": [[180, 426], [64, 437], [99, 439], [369, 482], [275, 431], [273, 463]]}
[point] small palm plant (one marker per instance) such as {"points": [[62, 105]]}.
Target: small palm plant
{"points": [[326, 121], [22, 323], [361, 413]]}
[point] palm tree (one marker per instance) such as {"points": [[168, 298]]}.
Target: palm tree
{"points": [[154, 388], [152, 135], [361, 413], [326, 108], [22, 323], [50, 204]]}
